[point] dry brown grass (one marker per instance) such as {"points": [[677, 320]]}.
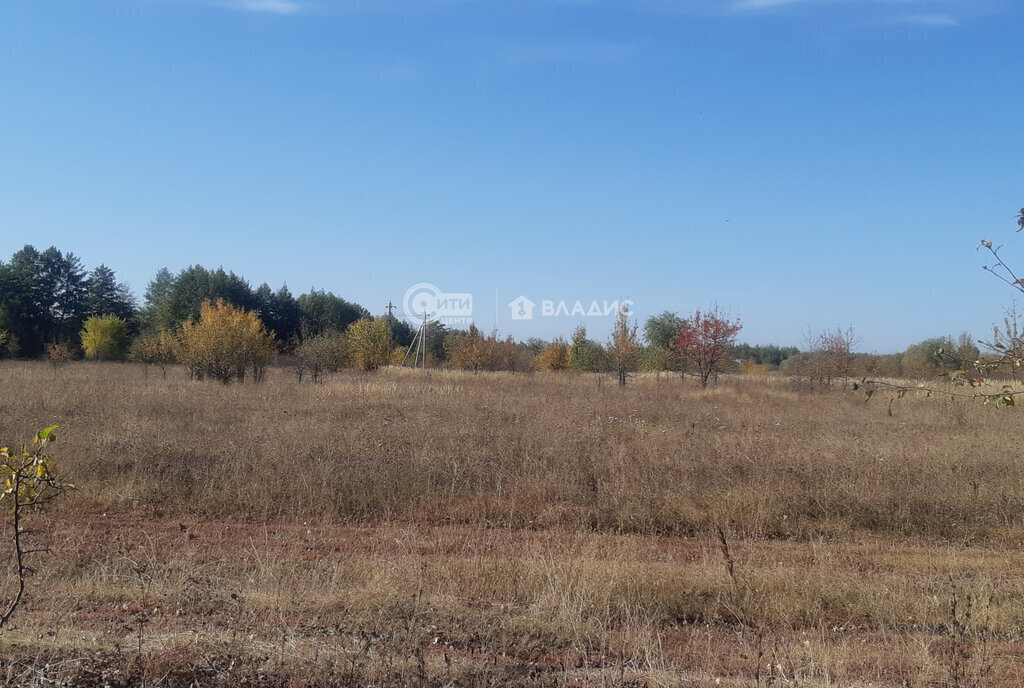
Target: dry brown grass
{"points": [[401, 528]]}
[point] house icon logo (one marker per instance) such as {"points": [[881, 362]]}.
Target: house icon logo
{"points": [[522, 308]]}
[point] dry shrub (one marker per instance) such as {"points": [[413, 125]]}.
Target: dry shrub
{"points": [[661, 456], [435, 528], [225, 343]]}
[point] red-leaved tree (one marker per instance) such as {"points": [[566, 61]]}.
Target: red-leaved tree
{"points": [[704, 340]]}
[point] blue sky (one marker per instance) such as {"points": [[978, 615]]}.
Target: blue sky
{"points": [[803, 163]]}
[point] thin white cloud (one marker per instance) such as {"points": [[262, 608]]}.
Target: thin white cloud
{"points": [[267, 6], [930, 20], [765, 4], [921, 18]]}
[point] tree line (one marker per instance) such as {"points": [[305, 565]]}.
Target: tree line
{"points": [[50, 304], [46, 298]]}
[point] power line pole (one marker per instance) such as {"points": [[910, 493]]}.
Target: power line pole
{"points": [[418, 346]]}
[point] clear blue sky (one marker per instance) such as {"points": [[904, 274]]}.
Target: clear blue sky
{"points": [[804, 163]]}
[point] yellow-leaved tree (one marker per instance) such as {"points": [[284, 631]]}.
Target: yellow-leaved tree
{"points": [[555, 356], [225, 343], [369, 343], [105, 338], [623, 350], [161, 349], [28, 482]]}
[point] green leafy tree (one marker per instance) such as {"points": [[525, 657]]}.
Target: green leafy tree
{"points": [[104, 295], [585, 355], [279, 311], [660, 330], [761, 354], [935, 357], [158, 294], [321, 312], [654, 359], [401, 332], [660, 333], [436, 336], [535, 345], [22, 299], [64, 280], [105, 338], [194, 286], [44, 295]]}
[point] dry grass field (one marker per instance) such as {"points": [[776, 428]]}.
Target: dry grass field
{"points": [[403, 528]]}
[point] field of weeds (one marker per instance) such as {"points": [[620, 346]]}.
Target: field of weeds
{"points": [[410, 528]]}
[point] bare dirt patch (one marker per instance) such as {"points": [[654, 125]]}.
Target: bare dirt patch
{"points": [[440, 529]]}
